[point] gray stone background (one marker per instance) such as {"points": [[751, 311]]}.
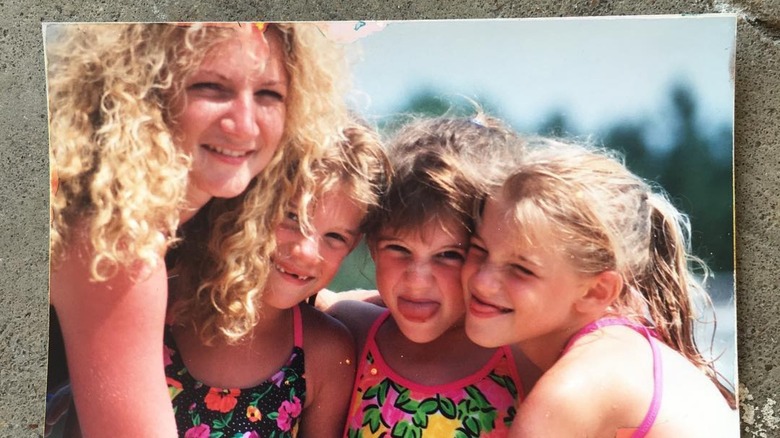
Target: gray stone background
{"points": [[24, 167]]}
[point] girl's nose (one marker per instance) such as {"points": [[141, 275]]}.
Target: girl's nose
{"points": [[418, 274], [240, 123], [306, 249], [484, 279]]}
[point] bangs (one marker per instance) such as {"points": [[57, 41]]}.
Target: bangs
{"points": [[530, 224]]}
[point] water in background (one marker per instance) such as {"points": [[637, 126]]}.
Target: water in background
{"points": [[724, 345]]}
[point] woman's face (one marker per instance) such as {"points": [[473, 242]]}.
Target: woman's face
{"points": [[231, 116]]}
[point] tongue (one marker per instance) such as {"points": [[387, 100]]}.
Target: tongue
{"points": [[418, 311]]}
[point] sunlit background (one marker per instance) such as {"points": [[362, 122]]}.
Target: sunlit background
{"points": [[659, 89]]}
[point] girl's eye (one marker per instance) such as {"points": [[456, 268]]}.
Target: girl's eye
{"points": [[396, 248], [338, 238], [452, 255], [291, 217], [520, 269]]}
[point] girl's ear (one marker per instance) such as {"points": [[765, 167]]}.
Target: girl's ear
{"points": [[603, 290]]}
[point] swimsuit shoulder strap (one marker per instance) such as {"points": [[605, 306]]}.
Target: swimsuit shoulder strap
{"points": [[298, 326], [649, 334]]}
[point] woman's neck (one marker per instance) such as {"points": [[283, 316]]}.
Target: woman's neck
{"points": [[194, 201]]}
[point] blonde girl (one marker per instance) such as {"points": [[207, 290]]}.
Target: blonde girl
{"points": [[585, 268], [263, 383], [149, 123], [418, 373]]}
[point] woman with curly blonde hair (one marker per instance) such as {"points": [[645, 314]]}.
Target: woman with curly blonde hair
{"points": [[149, 123]]}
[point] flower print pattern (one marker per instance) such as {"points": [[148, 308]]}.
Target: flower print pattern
{"points": [[174, 387], [288, 412], [484, 407], [253, 414], [222, 400], [199, 431], [271, 409]]}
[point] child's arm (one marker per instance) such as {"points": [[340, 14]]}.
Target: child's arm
{"points": [[588, 392], [113, 335], [550, 411], [327, 298], [330, 374], [358, 317]]}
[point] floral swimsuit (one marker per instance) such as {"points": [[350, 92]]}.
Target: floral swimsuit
{"points": [[385, 404], [270, 409]]}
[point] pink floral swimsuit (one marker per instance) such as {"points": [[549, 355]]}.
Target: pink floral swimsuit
{"points": [[385, 404], [270, 409]]}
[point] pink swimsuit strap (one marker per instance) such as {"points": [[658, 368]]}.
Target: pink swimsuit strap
{"points": [[373, 348], [297, 326], [649, 334]]}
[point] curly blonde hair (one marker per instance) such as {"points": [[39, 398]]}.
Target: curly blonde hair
{"points": [[357, 165], [121, 177]]}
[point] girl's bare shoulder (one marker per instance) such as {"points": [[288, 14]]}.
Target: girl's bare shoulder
{"points": [[604, 382], [324, 332], [357, 316]]}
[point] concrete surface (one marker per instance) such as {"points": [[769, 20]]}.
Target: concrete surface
{"points": [[23, 168]]}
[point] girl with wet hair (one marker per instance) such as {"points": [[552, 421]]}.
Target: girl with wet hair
{"points": [[585, 268]]}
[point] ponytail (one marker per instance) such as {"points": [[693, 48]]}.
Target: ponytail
{"points": [[669, 286]]}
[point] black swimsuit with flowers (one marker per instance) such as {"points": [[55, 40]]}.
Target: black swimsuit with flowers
{"points": [[270, 409]]}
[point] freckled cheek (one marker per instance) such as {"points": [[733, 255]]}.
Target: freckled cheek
{"points": [[331, 261], [336, 258], [191, 125], [449, 280], [284, 238], [389, 273], [199, 113], [518, 293]]}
